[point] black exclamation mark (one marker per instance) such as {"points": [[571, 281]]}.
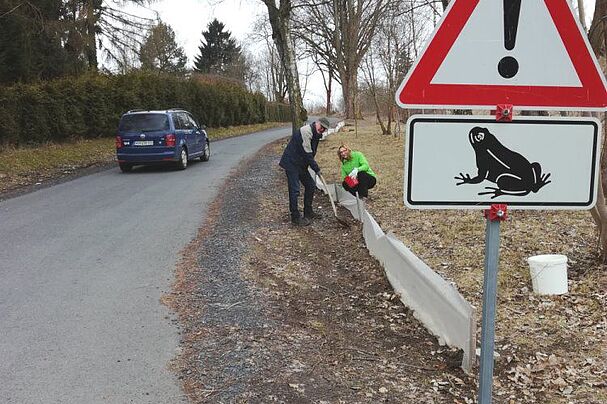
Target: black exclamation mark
{"points": [[508, 66]]}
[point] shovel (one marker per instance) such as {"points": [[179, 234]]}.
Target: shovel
{"points": [[341, 221]]}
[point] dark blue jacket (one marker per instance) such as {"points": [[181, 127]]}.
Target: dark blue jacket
{"points": [[299, 153]]}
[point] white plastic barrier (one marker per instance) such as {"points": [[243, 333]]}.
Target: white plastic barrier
{"points": [[350, 202], [434, 301], [333, 130], [374, 236]]}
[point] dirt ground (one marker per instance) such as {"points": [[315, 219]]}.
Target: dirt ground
{"points": [[551, 348], [323, 324], [276, 313]]}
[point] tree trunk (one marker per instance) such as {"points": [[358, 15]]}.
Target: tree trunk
{"points": [[582, 14], [298, 113], [90, 24], [281, 34], [595, 34], [384, 131], [390, 118], [348, 85], [329, 107], [599, 213]]}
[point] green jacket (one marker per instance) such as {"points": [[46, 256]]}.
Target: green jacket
{"points": [[357, 160]]}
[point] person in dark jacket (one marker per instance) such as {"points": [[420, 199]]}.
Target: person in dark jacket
{"points": [[297, 157]]}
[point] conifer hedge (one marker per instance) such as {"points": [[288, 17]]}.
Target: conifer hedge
{"points": [[90, 106]]}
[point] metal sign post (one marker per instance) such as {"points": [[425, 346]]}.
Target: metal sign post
{"points": [[463, 162], [494, 216]]}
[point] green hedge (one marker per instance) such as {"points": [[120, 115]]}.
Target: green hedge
{"points": [[90, 106], [277, 112]]}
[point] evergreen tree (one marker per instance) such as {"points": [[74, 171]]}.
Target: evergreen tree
{"points": [[160, 51], [218, 50], [31, 42], [102, 24], [45, 39]]}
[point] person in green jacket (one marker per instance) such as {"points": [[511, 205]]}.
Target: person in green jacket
{"points": [[355, 165]]}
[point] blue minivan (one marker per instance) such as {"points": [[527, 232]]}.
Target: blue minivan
{"points": [[155, 137]]}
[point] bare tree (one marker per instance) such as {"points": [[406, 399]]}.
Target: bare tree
{"points": [[119, 30], [374, 87], [355, 22], [277, 76], [348, 26], [103, 23], [126, 58], [597, 35], [280, 21], [323, 65], [388, 61], [160, 52], [270, 71]]}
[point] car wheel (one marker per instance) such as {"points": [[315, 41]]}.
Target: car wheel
{"points": [[206, 154], [125, 168], [182, 164]]}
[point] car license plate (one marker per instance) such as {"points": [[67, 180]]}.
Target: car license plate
{"points": [[143, 143]]}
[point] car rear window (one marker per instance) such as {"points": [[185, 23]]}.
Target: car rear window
{"points": [[144, 122]]}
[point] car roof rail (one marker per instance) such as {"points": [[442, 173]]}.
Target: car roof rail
{"points": [[135, 110], [175, 109]]}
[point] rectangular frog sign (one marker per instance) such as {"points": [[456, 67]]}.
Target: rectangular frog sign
{"points": [[454, 162]]}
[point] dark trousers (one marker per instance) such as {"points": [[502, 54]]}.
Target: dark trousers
{"points": [[293, 179], [365, 183]]}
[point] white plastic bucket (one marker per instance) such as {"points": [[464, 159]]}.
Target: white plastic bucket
{"points": [[548, 274]]}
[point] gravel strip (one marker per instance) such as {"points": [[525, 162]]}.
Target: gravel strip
{"points": [[275, 313]]}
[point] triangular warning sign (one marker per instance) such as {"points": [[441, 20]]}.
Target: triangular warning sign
{"points": [[531, 54]]}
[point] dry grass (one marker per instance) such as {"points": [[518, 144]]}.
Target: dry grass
{"points": [[19, 161], [20, 167], [28, 165], [572, 327], [230, 131]]}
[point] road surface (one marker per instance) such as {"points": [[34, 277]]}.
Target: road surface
{"points": [[83, 266]]}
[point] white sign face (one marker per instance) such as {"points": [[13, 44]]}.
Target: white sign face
{"points": [[542, 62], [455, 162], [531, 54]]}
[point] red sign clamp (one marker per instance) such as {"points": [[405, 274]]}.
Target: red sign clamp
{"points": [[504, 112], [497, 212]]}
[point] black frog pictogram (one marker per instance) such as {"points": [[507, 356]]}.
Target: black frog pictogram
{"points": [[510, 171]]}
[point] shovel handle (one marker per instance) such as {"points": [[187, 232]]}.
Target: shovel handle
{"points": [[328, 193]]}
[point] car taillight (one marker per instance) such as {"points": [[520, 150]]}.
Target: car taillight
{"points": [[118, 142], [170, 140]]}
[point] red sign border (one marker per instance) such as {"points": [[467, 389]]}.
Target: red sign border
{"points": [[416, 91]]}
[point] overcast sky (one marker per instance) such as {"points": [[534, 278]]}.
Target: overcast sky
{"points": [[190, 17]]}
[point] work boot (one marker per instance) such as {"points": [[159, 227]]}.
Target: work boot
{"points": [[312, 215], [301, 221]]}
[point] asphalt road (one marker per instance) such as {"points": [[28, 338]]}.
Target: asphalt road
{"points": [[83, 266]]}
